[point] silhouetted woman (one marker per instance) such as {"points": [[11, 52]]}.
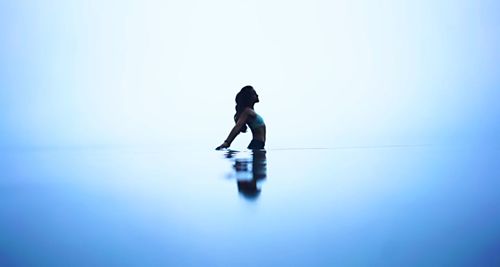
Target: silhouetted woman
{"points": [[245, 115]]}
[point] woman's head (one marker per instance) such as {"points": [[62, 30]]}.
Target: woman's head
{"points": [[246, 98]]}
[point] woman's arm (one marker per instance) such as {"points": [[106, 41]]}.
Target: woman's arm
{"points": [[235, 131]]}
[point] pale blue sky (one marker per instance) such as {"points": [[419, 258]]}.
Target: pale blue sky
{"points": [[329, 73]]}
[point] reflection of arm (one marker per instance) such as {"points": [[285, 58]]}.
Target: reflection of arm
{"points": [[237, 128]]}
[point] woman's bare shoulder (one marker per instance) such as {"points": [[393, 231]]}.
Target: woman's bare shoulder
{"points": [[249, 111]]}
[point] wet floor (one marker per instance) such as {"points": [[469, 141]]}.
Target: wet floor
{"points": [[371, 206]]}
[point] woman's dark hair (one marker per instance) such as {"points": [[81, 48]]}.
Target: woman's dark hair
{"points": [[243, 101]]}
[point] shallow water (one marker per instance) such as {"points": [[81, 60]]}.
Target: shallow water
{"points": [[375, 206]]}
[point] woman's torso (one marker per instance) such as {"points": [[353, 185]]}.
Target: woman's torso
{"points": [[257, 125]]}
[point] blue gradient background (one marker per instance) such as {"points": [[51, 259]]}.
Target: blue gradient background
{"points": [[328, 73], [110, 111]]}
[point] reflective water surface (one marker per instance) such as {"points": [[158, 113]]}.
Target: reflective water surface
{"points": [[399, 206]]}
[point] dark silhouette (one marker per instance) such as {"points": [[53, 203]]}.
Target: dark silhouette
{"points": [[246, 115], [249, 172]]}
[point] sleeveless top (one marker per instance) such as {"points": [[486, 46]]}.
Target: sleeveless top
{"points": [[256, 122]]}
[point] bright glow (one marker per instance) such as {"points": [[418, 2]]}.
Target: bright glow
{"points": [[328, 73]]}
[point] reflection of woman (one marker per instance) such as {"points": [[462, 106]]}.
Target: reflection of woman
{"points": [[245, 115], [250, 173]]}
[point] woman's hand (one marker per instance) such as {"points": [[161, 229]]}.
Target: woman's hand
{"points": [[224, 145]]}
